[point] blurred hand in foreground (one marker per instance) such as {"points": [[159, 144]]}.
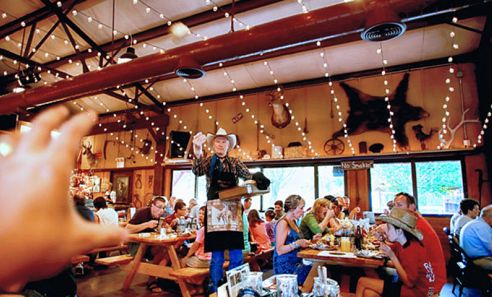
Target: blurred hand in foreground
{"points": [[41, 229]]}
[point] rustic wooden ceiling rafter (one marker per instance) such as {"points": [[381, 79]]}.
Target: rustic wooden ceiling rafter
{"points": [[157, 31], [416, 23], [33, 17], [242, 7], [426, 23], [35, 64], [465, 58], [67, 22]]}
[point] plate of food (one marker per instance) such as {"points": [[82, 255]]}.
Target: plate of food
{"points": [[322, 247], [370, 254]]}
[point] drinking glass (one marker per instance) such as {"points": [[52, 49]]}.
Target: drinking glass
{"points": [[345, 245], [254, 281], [329, 288], [287, 285]]}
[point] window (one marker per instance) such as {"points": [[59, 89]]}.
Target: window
{"points": [[331, 181], [387, 180], [287, 181], [183, 184], [201, 190], [439, 186]]}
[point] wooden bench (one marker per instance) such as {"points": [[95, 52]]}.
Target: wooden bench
{"points": [[258, 261], [190, 272], [115, 260], [79, 259]]}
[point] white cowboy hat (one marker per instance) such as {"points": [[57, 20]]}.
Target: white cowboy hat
{"points": [[403, 219], [221, 132]]}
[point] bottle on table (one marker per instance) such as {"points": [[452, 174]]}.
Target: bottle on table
{"points": [[358, 238]]}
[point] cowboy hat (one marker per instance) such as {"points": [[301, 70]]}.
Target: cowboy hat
{"points": [[403, 219], [221, 132]]}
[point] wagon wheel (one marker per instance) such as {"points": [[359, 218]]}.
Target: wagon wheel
{"points": [[334, 146]]}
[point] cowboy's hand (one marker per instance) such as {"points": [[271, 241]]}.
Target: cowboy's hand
{"points": [[199, 139], [41, 229]]}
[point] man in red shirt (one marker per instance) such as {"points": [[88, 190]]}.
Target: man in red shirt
{"points": [[180, 210], [430, 242]]}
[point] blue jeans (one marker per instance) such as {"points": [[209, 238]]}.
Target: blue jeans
{"points": [[216, 270]]}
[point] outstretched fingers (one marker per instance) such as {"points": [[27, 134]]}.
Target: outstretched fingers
{"points": [[40, 135], [66, 146]]}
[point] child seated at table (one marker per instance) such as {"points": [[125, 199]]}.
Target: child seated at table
{"points": [[416, 277], [196, 256]]}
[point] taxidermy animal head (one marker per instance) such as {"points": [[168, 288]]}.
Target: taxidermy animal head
{"points": [[371, 113], [280, 113], [87, 151]]}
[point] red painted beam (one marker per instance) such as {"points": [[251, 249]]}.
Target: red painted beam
{"points": [[316, 24]]}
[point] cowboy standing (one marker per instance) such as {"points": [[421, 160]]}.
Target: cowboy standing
{"points": [[222, 172]]}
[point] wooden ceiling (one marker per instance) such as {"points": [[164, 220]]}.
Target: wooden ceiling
{"points": [[60, 41]]}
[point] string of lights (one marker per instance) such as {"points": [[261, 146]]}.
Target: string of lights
{"points": [[449, 86], [298, 125], [216, 8], [335, 99], [484, 127], [384, 62], [255, 119], [303, 5]]}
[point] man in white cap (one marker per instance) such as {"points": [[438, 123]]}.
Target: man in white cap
{"points": [[222, 172]]}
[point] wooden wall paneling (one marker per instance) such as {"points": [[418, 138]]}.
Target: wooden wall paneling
{"points": [[168, 178], [438, 223], [357, 185], [143, 187], [473, 163]]}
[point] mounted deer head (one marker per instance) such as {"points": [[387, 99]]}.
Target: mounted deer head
{"points": [[280, 113], [87, 151], [445, 142]]}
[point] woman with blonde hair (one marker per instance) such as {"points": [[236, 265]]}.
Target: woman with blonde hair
{"points": [[288, 241], [317, 221]]}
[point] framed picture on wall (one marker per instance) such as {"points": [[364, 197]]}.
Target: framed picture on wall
{"points": [[122, 185]]}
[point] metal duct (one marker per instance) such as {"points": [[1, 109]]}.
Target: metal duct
{"points": [[315, 24]]}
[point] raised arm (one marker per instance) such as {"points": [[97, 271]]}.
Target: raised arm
{"points": [[199, 167]]}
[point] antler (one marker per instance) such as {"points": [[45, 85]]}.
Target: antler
{"points": [[447, 143]]}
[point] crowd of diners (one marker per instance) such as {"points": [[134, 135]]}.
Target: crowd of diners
{"points": [[407, 239], [405, 236]]}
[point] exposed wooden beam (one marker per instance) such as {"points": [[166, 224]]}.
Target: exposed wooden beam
{"points": [[465, 58], [413, 24], [27, 49], [191, 21], [141, 123], [34, 64], [33, 17], [45, 37]]}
